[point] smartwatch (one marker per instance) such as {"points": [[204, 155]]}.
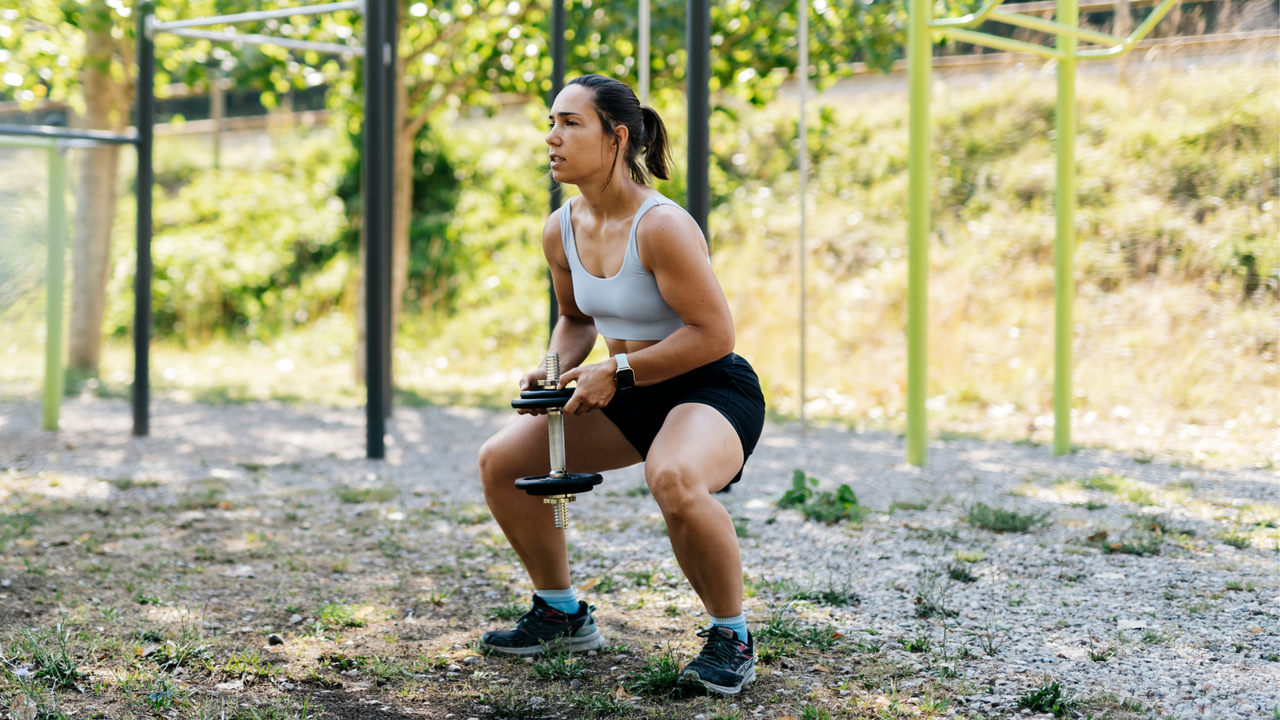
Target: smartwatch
{"points": [[625, 377]]}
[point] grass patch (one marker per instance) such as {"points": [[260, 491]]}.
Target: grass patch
{"points": [[356, 496], [660, 677], [508, 611], [1001, 521], [338, 615], [1237, 539], [51, 653], [1046, 698], [1122, 487], [554, 665]]}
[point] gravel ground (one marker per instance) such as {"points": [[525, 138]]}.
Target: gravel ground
{"points": [[1192, 630]]}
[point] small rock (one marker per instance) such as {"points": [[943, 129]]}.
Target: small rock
{"points": [[240, 571], [274, 639], [287, 686], [575, 683], [229, 686], [471, 659], [454, 668], [295, 619]]}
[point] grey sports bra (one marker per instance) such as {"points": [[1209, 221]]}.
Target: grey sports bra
{"points": [[628, 305]]}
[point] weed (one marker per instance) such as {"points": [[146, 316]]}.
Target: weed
{"points": [[970, 557], [338, 615], [555, 665], [960, 573], [1131, 543], [1001, 520], [910, 506], [783, 627], [931, 595], [342, 662], [835, 593], [603, 706], [356, 496], [1125, 488], [390, 548], [671, 611], [50, 651], [247, 664], [1235, 585], [660, 677], [991, 637], [638, 491], [1236, 539], [813, 712], [1158, 637], [824, 507], [1046, 698], [921, 643], [607, 584], [507, 611], [1100, 654], [1090, 505]]}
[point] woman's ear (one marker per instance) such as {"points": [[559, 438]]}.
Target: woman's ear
{"points": [[620, 135]]}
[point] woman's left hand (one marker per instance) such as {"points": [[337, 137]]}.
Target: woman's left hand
{"points": [[596, 386]]}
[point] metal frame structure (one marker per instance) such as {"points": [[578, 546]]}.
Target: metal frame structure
{"points": [[921, 32], [380, 18], [56, 141]]}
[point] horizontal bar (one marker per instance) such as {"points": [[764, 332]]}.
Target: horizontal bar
{"points": [[260, 15], [251, 39], [1083, 6], [56, 133], [1055, 28], [969, 20], [1000, 43], [1139, 32], [25, 142]]}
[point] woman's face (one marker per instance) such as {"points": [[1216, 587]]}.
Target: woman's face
{"points": [[578, 146]]}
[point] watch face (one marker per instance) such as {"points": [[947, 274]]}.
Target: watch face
{"points": [[626, 378]]}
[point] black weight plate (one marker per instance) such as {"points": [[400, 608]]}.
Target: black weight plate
{"points": [[567, 484], [542, 399]]}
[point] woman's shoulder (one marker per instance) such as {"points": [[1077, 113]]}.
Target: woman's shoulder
{"points": [[668, 230]]}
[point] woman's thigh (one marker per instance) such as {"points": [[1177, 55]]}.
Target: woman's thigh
{"points": [[592, 444], [698, 445]]}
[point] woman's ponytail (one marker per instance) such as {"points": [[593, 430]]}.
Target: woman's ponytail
{"points": [[657, 148]]}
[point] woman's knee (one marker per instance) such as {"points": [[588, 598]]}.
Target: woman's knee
{"points": [[674, 488], [494, 461]]}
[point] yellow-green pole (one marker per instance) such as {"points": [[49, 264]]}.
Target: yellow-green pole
{"points": [[1064, 252], [56, 239], [919, 60]]}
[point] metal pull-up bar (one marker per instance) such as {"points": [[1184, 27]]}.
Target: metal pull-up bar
{"points": [[920, 40], [379, 78]]}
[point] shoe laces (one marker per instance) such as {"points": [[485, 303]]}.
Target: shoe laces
{"points": [[719, 648]]}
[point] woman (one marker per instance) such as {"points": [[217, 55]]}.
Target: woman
{"points": [[633, 266]]}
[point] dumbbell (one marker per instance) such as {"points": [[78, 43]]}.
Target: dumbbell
{"points": [[559, 488]]}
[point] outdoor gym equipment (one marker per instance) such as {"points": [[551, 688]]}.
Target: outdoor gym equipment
{"points": [[919, 61], [559, 488]]}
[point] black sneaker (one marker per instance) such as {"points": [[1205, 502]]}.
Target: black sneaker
{"points": [[725, 663], [545, 625]]}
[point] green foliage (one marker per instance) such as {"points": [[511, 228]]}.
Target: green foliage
{"points": [[1046, 698], [1001, 520], [366, 494], [554, 665], [244, 251], [824, 507], [51, 652], [660, 677], [338, 615]]}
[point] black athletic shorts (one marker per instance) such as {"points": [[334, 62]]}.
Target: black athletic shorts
{"points": [[728, 385]]}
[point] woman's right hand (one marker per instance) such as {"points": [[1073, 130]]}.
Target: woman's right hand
{"points": [[530, 382]]}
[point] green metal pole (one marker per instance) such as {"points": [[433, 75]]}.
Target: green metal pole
{"points": [[54, 275], [1065, 206], [919, 59]]}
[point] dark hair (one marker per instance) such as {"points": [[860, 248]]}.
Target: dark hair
{"points": [[617, 104]]}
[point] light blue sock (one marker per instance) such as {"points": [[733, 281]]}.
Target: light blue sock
{"points": [[566, 601], [737, 623]]}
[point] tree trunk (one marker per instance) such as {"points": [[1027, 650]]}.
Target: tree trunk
{"points": [[97, 191]]}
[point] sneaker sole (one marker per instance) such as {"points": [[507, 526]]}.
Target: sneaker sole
{"points": [[722, 689], [594, 641]]}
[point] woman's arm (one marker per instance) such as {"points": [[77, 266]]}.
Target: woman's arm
{"points": [[673, 249], [575, 333]]}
